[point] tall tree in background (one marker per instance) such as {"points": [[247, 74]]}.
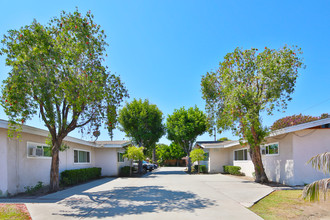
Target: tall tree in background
{"points": [[246, 84], [57, 72], [142, 122], [184, 126], [172, 152]]}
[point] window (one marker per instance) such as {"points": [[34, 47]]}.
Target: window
{"points": [[240, 154], [206, 156], [81, 156], [120, 157], [270, 149], [38, 150]]}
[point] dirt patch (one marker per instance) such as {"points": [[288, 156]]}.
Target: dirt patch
{"points": [[316, 210], [17, 211]]}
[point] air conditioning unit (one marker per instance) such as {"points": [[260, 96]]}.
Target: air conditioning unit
{"points": [[39, 152], [36, 152]]}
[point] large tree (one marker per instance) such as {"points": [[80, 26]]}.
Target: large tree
{"points": [[246, 84], [142, 122], [184, 126], [57, 71]]}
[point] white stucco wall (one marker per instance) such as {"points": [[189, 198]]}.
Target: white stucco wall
{"points": [[26, 171], [247, 166], [217, 159], [67, 157], [107, 159], [306, 144], [3, 163], [280, 168]]}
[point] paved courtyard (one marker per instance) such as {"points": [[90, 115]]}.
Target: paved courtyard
{"points": [[167, 193]]}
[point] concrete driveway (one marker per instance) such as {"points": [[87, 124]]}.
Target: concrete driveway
{"points": [[167, 193]]}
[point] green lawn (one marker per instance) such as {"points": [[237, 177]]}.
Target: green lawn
{"points": [[288, 204], [12, 211]]}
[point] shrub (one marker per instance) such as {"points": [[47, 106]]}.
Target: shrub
{"points": [[202, 169], [124, 171], [234, 170], [72, 177], [33, 189]]}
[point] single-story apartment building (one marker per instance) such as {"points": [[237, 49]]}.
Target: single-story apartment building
{"points": [[26, 161], [284, 155]]}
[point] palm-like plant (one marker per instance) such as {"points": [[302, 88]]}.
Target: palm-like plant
{"points": [[312, 191]]}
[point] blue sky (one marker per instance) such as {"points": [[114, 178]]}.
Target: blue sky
{"points": [[162, 48]]}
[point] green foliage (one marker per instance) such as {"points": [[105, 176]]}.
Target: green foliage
{"points": [[165, 152], [72, 177], [292, 120], [134, 153], [234, 170], [197, 154], [142, 121], [33, 189], [184, 126], [246, 84], [202, 169], [57, 71], [223, 139], [125, 171]]}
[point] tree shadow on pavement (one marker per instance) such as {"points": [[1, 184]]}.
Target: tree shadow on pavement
{"points": [[132, 201]]}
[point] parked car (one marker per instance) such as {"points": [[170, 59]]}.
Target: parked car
{"points": [[147, 166]]}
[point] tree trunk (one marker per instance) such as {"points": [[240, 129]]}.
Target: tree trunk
{"points": [[259, 170], [54, 169], [189, 163], [255, 154], [198, 167], [140, 168], [154, 155], [131, 167]]}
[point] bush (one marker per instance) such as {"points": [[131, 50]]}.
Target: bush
{"points": [[202, 169], [124, 171], [72, 177], [234, 170], [33, 189]]}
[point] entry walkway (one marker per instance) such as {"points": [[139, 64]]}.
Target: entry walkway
{"points": [[167, 193]]}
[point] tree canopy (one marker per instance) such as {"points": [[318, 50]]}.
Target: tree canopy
{"points": [[197, 154], [295, 120], [184, 126], [142, 121], [246, 84], [57, 71], [171, 152]]}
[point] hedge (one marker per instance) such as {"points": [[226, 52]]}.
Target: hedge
{"points": [[124, 171], [234, 170], [202, 168], [72, 177]]}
